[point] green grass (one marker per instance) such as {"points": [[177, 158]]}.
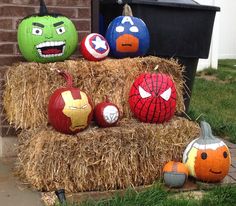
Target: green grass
{"points": [[215, 101], [226, 71], [158, 196]]}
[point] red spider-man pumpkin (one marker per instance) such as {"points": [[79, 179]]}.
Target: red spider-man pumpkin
{"points": [[152, 98], [69, 109]]}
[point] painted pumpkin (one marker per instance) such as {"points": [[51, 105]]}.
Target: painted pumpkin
{"points": [[152, 98], [69, 109], [207, 157], [94, 47], [46, 37], [128, 36], [106, 114], [175, 174]]}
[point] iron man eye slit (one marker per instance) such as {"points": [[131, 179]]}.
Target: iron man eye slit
{"points": [[75, 108]]}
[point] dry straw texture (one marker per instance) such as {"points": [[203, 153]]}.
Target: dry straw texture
{"points": [[130, 154], [29, 85]]}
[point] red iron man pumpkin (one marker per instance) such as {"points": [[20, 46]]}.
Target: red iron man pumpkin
{"points": [[152, 98], [106, 114], [69, 109]]}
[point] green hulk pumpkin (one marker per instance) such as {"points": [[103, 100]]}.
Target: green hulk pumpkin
{"points": [[47, 37]]}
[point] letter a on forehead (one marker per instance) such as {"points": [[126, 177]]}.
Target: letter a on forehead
{"points": [[127, 19]]}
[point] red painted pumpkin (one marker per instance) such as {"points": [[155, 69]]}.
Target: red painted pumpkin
{"points": [[207, 157], [152, 98], [175, 174], [94, 47], [106, 114], [69, 109]]}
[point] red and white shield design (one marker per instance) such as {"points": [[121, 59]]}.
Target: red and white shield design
{"points": [[94, 47]]}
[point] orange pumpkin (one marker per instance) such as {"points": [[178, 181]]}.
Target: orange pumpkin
{"points": [[207, 157], [175, 174]]}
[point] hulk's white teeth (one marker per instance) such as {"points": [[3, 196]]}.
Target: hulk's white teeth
{"points": [[51, 49], [50, 44]]}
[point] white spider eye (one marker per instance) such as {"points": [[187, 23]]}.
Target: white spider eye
{"points": [[61, 30], [37, 31], [143, 93], [134, 29], [166, 94], [120, 29]]}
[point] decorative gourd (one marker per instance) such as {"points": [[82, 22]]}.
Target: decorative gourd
{"points": [[94, 47], [207, 157], [106, 114], [175, 174], [152, 98], [46, 37], [128, 36], [69, 109]]}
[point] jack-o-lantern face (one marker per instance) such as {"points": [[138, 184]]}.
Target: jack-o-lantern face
{"points": [[152, 98], [207, 158], [128, 37], [47, 37], [211, 164]]}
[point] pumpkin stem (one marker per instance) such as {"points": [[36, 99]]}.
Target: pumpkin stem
{"points": [[68, 77], [127, 11], [106, 99], [43, 9], [206, 130]]}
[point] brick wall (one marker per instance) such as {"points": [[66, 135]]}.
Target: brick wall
{"points": [[11, 12]]}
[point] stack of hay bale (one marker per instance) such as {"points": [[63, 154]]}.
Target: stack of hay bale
{"points": [[130, 154]]}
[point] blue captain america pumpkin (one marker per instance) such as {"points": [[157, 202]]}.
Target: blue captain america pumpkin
{"points": [[128, 36]]}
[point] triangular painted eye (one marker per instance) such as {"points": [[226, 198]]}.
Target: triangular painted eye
{"points": [[166, 94], [143, 93]]}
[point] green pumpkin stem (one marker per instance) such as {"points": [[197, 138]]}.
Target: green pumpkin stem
{"points": [[206, 132], [68, 77], [43, 9], [127, 11]]}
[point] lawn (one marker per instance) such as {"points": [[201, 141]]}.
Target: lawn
{"points": [[214, 99], [158, 196]]}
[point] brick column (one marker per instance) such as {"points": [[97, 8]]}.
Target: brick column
{"points": [[11, 13]]}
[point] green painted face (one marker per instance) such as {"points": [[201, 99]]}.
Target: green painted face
{"points": [[47, 38]]}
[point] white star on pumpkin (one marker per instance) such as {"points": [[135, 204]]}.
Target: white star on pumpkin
{"points": [[99, 43]]}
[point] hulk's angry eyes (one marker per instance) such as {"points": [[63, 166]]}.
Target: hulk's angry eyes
{"points": [[39, 31], [48, 49]]}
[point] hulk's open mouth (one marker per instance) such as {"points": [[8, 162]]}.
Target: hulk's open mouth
{"points": [[51, 49]]}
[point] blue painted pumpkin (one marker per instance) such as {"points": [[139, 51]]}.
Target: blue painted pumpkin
{"points": [[128, 36]]}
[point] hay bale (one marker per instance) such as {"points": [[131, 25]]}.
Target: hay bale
{"points": [[29, 85], [131, 154]]}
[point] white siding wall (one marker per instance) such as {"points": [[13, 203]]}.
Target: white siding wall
{"points": [[227, 32], [224, 34]]}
